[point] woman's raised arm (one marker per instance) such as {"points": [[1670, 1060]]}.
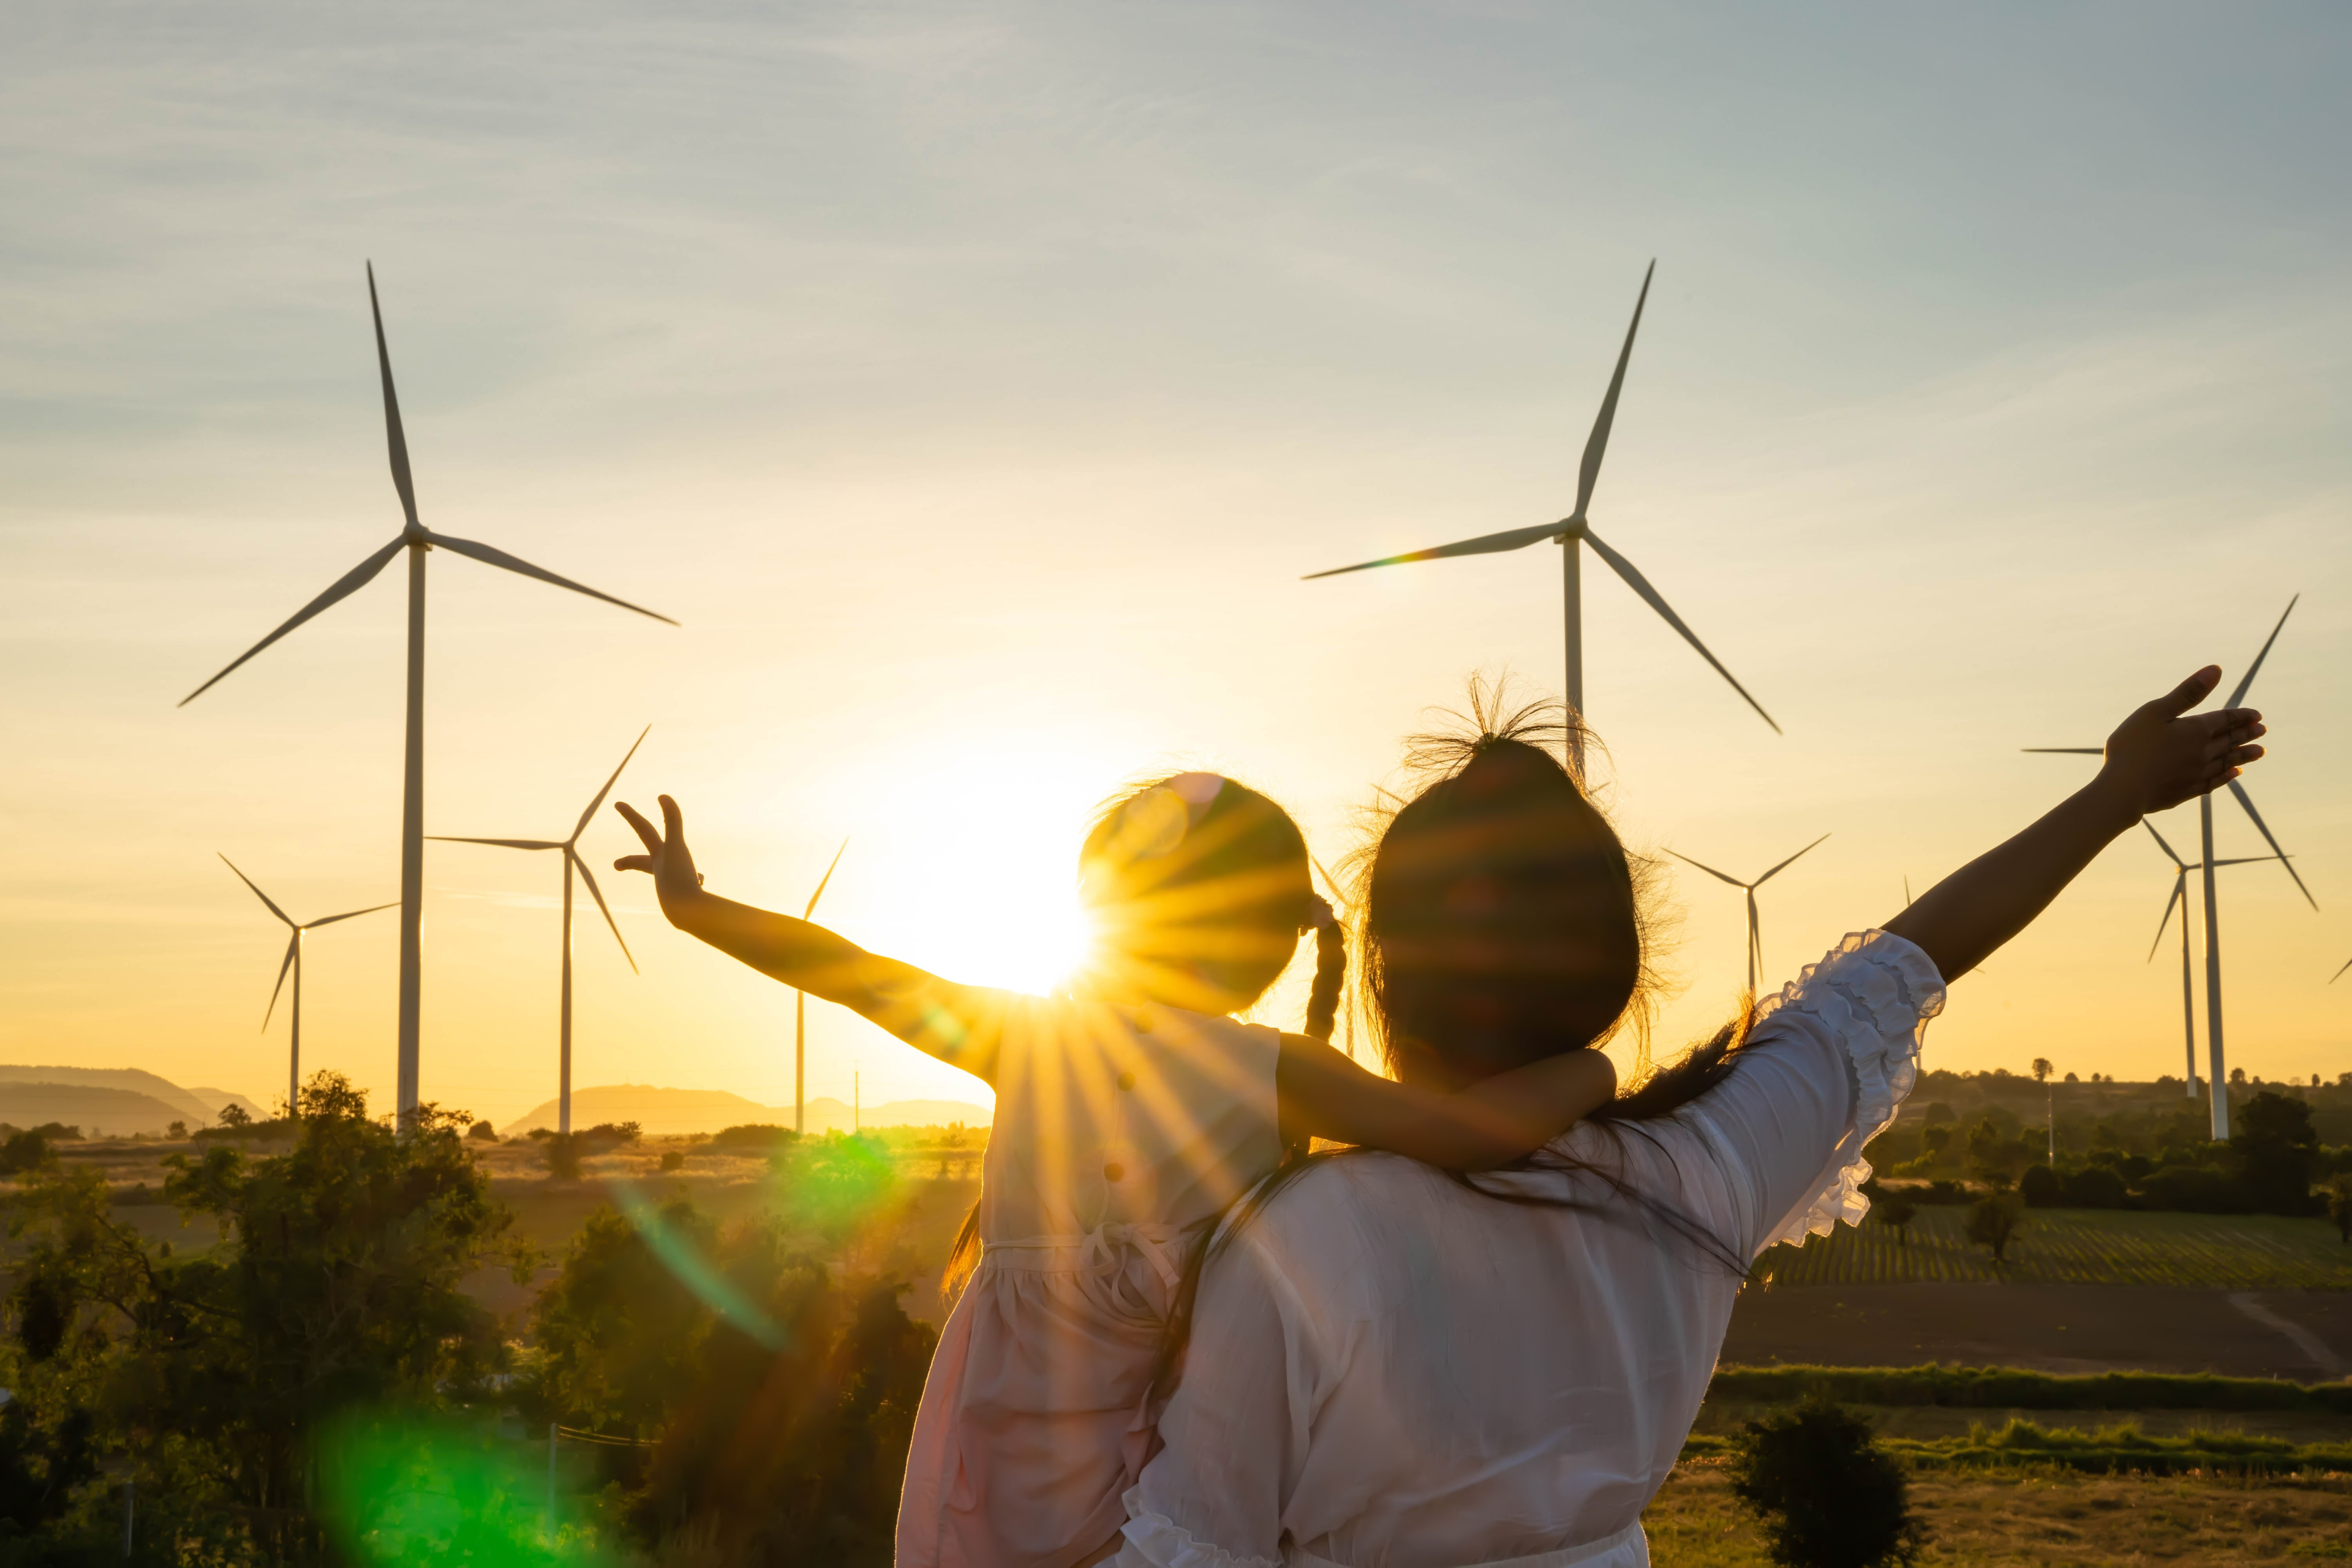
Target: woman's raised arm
{"points": [[2158, 757]]}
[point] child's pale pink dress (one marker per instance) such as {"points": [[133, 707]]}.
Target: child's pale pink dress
{"points": [[1119, 1133]]}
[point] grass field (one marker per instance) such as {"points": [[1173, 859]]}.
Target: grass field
{"points": [[1984, 1519], [2079, 1247]]}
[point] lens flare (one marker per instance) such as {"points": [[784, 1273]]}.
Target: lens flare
{"points": [[683, 1259], [402, 1492]]}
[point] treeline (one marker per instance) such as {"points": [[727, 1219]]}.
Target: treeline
{"points": [[320, 1388]]}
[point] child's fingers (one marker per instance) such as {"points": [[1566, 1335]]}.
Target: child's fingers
{"points": [[2189, 692], [633, 863], [672, 820], [644, 830]]}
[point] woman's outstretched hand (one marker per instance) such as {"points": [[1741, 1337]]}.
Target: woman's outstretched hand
{"points": [[2163, 754], [675, 881]]}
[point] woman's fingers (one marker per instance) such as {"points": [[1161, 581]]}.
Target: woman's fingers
{"points": [[652, 841], [2189, 692], [672, 821], [633, 863]]}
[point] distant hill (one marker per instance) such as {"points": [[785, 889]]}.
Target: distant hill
{"points": [[216, 1098], [184, 1106], [675, 1112], [98, 1112]]}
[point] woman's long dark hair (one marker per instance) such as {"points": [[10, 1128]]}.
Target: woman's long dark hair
{"points": [[1503, 922]]}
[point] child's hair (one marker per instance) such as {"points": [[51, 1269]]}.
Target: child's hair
{"points": [[1199, 889], [1503, 919]]}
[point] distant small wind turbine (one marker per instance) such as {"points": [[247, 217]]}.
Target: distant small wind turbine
{"points": [[2213, 1050], [293, 961], [1755, 939], [417, 540], [1569, 533], [571, 862], [799, 1015], [2180, 870]]}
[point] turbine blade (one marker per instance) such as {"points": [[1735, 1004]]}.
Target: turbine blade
{"points": [[496, 557], [2251, 860], [2256, 668], [1485, 544], [594, 892], [2160, 844], [501, 843], [1755, 936], [2065, 751], [582, 825], [258, 893], [1710, 871], [351, 914], [394, 436], [343, 587], [2180, 894], [1907, 892], [284, 964], [837, 854], [2339, 973], [1790, 860], [1598, 442], [1641, 584], [2263, 828]]}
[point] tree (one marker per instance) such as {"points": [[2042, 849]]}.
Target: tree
{"points": [[1994, 1221], [234, 1115], [337, 1286], [1828, 1494], [2339, 1206], [2277, 1153], [482, 1133], [562, 1153], [178, 1130], [1898, 1210], [2049, 1104]]}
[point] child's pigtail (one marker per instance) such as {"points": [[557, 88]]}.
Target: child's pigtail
{"points": [[1330, 971]]}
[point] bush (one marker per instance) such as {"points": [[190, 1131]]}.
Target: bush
{"points": [[2095, 1188], [482, 1133], [1829, 1497], [1995, 1221], [2193, 1189], [562, 1154], [25, 1151], [2042, 1188], [673, 1160], [755, 1138]]}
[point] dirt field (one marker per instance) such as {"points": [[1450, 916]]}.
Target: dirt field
{"points": [[2301, 1334], [1986, 1518]]}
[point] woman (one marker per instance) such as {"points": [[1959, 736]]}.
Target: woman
{"points": [[1392, 1368]]}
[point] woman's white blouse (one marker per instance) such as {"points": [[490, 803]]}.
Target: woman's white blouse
{"points": [[1387, 1371]]}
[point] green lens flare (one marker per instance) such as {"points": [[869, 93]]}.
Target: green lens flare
{"points": [[402, 1492], [683, 1259]]}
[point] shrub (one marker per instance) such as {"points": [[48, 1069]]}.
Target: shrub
{"points": [[755, 1138], [2095, 1188], [1994, 1222], [562, 1155], [1829, 1497], [2339, 1206], [2042, 1188], [482, 1133], [673, 1160], [2193, 1189], [23, 1151]]}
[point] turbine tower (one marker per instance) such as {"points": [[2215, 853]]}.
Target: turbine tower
{"points": [[800, 1013], [571, 862], [2180, 870], [1571, 532], [2216, 1074], [417, 540], [293, 961], [1755, 938]]}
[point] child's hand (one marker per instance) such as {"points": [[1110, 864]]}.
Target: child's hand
{"points": [[675, 881], [2157, 758]]}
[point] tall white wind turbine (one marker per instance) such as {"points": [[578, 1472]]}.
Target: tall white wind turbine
{"points": [[1754, 937], [292, 960], [2180, 870], [800, 1013], [417, 540], [570, 848], [1569, 533], [2215, 1066]]}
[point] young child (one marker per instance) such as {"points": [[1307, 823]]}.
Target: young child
{"points": [[1129, 1113]]}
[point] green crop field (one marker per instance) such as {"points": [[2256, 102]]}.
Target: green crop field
{"points": [[2079, 1247]]}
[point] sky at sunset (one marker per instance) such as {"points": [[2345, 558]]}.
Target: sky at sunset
{"points": [[976, 382]]}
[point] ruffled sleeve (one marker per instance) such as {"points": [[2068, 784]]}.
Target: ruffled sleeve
{"points": [[1155, 1540], [1870, 999]]}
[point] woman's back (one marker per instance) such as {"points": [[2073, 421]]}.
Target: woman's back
{"points": [[1390, 1371]]}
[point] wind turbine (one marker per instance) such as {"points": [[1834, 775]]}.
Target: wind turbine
{"points": [[2213, 1052], [293, 961], [1755, 939], [800, 1018], [417, 540], [572, 861], [2180, 870], [1569, 533]]}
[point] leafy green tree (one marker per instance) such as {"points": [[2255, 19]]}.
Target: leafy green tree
{"points": [[1994, 1221], [1829, 1496], [336, 1286], [2277, 1153], [2339, 1206]]}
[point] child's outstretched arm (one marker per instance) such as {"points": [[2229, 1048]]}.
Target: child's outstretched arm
{"points": [[961, 1025], [2156, 759], [1488, 1123]]}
